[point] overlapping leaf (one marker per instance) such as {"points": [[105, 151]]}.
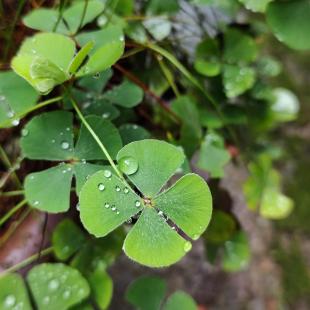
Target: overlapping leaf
{"points": [[16, 98], [106, 203], [49, 136]]}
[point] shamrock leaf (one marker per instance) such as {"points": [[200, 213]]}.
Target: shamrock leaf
{"points": [[14, 101], [180, 301], [48, 59], [44, 19], [213, 156], [289, 21], [49, 136], [106, 203], [13, 293], [57, 286], [262, 190]]}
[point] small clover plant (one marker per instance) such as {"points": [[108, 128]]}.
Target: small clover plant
{"points": [[106, 202]]}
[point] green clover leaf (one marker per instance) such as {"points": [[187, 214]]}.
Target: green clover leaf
{"points": [[44, 19], [49, 136], [14, 101], [48, 59], [106, 203]]}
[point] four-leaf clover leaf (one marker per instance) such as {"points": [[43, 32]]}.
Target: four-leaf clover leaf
{"points": [[164, 215]]}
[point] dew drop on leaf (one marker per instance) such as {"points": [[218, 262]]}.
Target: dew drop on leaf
{"points": [[137, 203], [15, 122], [25, 132], [117, 188], [107, 205], [107, 173], [128, 165], [53, 284], [9, 301], [101, 187], [10, 114], [65, 145], [113, 208], [66, 294], [46, 300], [96, 75], [187, 246], [126, 190], [106, 115]]}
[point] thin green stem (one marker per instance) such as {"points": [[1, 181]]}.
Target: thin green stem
{"points": [[168, 75], [12, 193], [34, 108], [28, 261], [94, 135], [83, 15], [21, 4], [60, 13], [8, 164], [12, 211]]}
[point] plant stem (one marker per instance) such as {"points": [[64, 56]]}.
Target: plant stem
{"points": [[12, 193], [27, 261], [8, 164], [12, 211], [83, 15], [35, 107], [94, 135]]}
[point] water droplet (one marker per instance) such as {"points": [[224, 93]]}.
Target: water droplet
{"points": [[83, 161], [128, 165], [187, 246], [121, 38], [78, 206], [2, 98], [9, 300], [65, 145], [137, 203], [46, 300], [117, 188], [96, 75], [53, 284], [15, 122], [36, 203], [126, 190], [106, 115], [129, 221], [25, 132], [66, 294], [107, 173], [61, 133], [68, 128], [117, 212], [101, 187], [10, 114], [195, 237], [113, 208], [107, 205], [53, 140]]}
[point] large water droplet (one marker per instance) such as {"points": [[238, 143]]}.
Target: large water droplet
{"points": [[128, 165], [65, 145], [101, 187], [187, 246], [107, 173], [15, 122], [53, 284], [10, 301]]}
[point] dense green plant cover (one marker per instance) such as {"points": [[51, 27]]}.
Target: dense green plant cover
{"points": [[136, 129]]}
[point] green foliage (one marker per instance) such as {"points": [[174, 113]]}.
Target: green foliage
{"points": [[148, 292], [106, 202], [289, 22], [262, 190]]}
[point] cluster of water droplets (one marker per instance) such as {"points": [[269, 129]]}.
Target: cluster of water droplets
{"points": [[8, 110]]}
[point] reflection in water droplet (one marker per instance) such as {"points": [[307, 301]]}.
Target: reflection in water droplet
{"points": [[9, 300], [126, 190], [117, 212], [53, 284], [195, 237], [113, 208], [187, 246], [107, 205], [117, 188], [15, 122], [96, 75], [36, 203], [25, 132], [101, 187], [106, 115], [66, 294], [10, 114], [46, 300], [53, 140], [128, 165], [107, 173], [65, 145], [137, 203]]}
